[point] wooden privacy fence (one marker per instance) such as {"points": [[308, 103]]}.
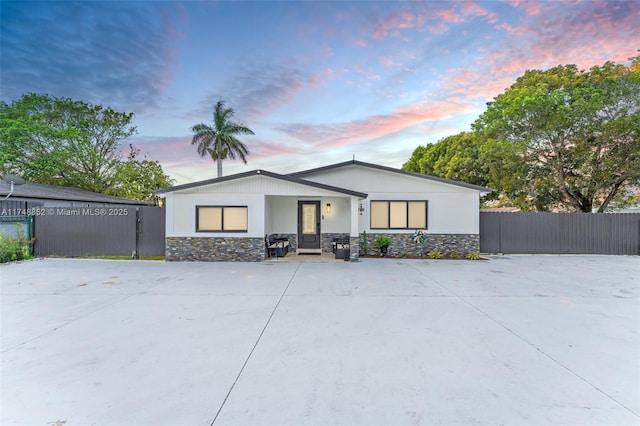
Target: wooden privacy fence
{"points": [[560, 233], [99, 231]]}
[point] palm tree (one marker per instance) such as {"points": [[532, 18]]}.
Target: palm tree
{"points": [[220, 141]]}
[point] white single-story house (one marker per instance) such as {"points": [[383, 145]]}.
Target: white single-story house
{"points": [[229, 218]]}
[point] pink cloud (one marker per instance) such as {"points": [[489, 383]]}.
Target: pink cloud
{"points": [[589, 35], [463, 12], [469, 83], [263, 149], [531, 7], [472, 9], [395, 22], [386, 61], [374, 127], [519, 31], [449, 16], [368, 72]]}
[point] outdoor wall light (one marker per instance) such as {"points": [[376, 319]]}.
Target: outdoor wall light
{"points": [[361, 209], [328, 208]]}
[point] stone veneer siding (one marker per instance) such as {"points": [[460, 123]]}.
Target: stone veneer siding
{"points": [[214, 249], [446, 243], [326, 241], [354, 245]]}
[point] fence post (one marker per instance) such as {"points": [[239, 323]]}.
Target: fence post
{"points": [[137, 252]]}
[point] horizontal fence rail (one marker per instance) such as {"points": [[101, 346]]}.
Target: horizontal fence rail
{"points": [[560, 233]]}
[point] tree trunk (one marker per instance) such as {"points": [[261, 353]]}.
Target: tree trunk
{"points": [[218, 160], [612, 193]]}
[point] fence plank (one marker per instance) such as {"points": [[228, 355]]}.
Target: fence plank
{"points": [[152, 231], [85, 231], [560, 233], [98, 231]]}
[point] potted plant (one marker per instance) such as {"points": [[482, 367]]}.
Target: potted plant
{"points": [[382, 242]]}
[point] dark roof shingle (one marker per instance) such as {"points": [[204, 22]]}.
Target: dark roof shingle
{"points": [[50, 192]]}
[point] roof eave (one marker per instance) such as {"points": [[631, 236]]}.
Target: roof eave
{"points": [[481, 189], [259, 172]]}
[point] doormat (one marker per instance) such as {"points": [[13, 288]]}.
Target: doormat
{"points": [[309, 254]]}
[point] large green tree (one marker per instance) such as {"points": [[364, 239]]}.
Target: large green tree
{"points": [[455, 157], [61, 141], [137, 178], [578, 133], [472, 158], [561, 139], [219, 141]]}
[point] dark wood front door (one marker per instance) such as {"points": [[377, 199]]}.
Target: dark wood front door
{"points": [[309, 224]]}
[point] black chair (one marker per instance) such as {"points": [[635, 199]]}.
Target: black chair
{"points": [[341, 248], [278, 247]]}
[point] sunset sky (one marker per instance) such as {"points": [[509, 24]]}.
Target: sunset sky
{"points": [[318, 82]]}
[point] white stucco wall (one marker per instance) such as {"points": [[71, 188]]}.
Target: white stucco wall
{"points": [[181, 213], [273, 203], [452, 209], [282, 214], [272, 207]]}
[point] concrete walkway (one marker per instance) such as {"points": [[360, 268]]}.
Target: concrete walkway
{"points": [[515, 340]]}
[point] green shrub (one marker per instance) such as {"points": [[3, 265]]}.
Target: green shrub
{"points": [[454, 255], [11, 248], [435, 254], [365, 243], [382, 241], [473, 255]]}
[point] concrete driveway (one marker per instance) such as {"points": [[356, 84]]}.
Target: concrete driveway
{"points": [[515, 340]]}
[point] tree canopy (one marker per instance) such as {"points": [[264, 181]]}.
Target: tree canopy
{"points": [[219, 141], [455, 157], [557, 139], [137, 178], [61, 141]]}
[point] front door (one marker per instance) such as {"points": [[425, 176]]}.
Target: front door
{"points": [[309, 224]]}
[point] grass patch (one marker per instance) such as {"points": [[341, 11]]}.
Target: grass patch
{"points": [[112, 257]]}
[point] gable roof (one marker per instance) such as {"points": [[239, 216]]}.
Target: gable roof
{"points": [[303, 173], [51, 192], [287, 178]]}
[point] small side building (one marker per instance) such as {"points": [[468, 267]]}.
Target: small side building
{"points": [[34, 199], [32, 195]]}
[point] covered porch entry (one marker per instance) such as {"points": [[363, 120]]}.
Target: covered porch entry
{"points": [[313, 223]]}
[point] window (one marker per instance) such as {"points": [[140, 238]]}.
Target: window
{"points": [[399, 214], [221, 218]]}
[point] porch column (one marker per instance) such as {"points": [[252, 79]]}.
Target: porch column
{"points": [[354, 235]]}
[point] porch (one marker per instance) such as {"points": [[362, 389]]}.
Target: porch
{"points": [[294, 257], [312, 224]]}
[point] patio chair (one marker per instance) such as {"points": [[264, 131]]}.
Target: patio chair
{"points": [[278, 247]]}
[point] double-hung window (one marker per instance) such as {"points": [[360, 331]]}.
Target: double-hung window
{"points": [[221, 218], [399, 214]]}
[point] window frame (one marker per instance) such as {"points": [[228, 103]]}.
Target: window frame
{"points": [[223, 230], [407, 209]]}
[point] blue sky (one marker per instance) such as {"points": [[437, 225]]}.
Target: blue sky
{"points": [[318, 82]]}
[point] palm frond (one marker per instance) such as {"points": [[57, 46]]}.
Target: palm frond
{"points": [[219, 141]]}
